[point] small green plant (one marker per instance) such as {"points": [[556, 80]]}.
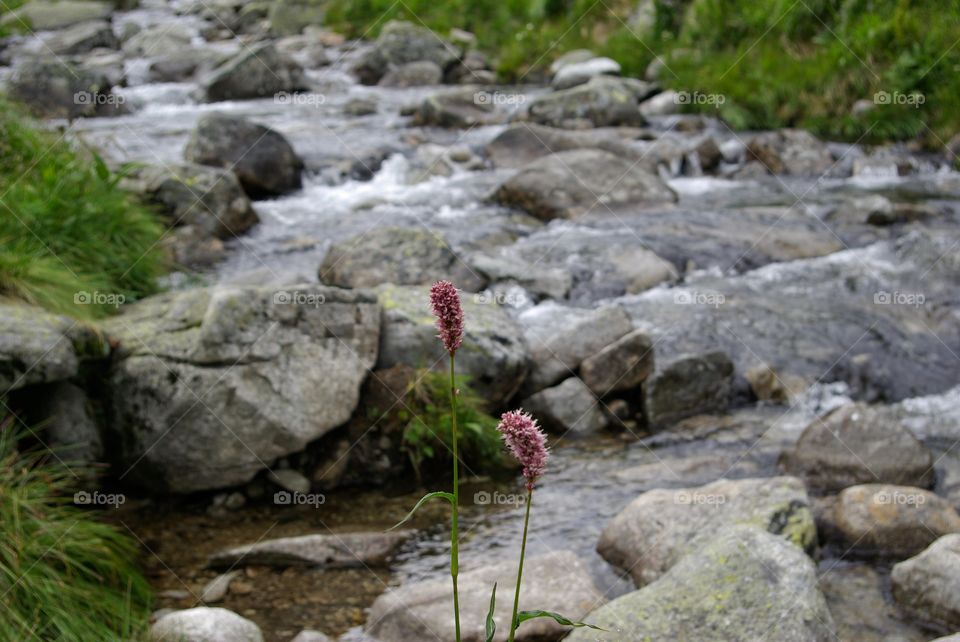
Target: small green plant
{"points": [[63, 574]]}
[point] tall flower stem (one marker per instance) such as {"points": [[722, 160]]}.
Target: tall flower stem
{"points": [[454, 534], [523, 551]]}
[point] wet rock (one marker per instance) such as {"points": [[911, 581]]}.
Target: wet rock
{"points": [[211, 383], [660, 526], [311, 636], [360, 107], [571, 58], [687, 385], [790, 151], [663, 104], [40, 15], [858, 444], [769, 385], [458, 108], [158, 40], [741, 583], [494, 352], [262, 159], [203, 624], [216, 589], [577, 73], [55, 89], [577, 182], [183, 65], [567, 407], [397, 256], [39, 347], [560, 344], [557, 582], [928, 586], [601, 102], [290, 480], [523, 143], [541, 282], [257, 72], [622, 365], [81, 38], [708, 154], [893, 520], [290, 17], [413, 74], [885, 162], [400, 43], [346, 550]]}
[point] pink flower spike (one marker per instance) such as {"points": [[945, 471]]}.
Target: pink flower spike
{"points": [[445, 304], [527, 443]]}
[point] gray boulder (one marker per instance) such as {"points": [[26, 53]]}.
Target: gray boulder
{"points": [[790, 151], [660, 526], [567, 407], [859, 444], [622, 365], [40, 15], [158, 41], [742, 584], [81, 38], [290, 17], [557, 582], [413, 74], [600, 102], [687, 385], [204, 624], [262, 159], [70, 423], [523, 143], [400, 43], [577, 73], [928, 586], [582, 181], [458, 108], [257, 72], [347, 550], [212, 385], [55, 89]]}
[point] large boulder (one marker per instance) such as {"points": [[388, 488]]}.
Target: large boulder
{"points": [[581, 181], [790, 151], [522, 143], [569, 406], [622, 365], [159, 41], [896, 521], [400, 43], [212, 385], [494, 353], [740, 584], [40, 15], [81, 38], [660, 526], [262, 159], [557, 582], [204, 624], [602, 101], [398, 256], [57, 89], [928, 586], [577, 73], [257, 72], [687, 385], [458, 108], [859, 444]]}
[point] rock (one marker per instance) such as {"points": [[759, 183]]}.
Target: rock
{"points": [[81, 38], [577, 73], [567, 407], [308, 635], [570, 58], [709, 154], [257, 72], [400, 43], [262, 159], [600, 102], [893, 520], [859, 444], [56, 89], [397, 256], [622, 365], [687, 385], [289, 480], [557, 582], [204, 624], [70, 427], [42, 16], [546, 282], [210, 384], [159, 40], [791, 151], [39, 347], [413, 74], [560, 347], [641, 269], [768, 385], [209, 199], [360, 107], [660, 526], [290, 17], [458, 108], [578, 182], [523, 143], [347, 550], [928, 586], [216, 589], [741, 584], [663, 104], [494, 353]]}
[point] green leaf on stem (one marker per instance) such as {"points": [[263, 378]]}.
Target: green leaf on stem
{"points": [[523, 616], [491, 625], [423, 500]]}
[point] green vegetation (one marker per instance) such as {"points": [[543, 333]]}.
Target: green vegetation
{"points": [[5, 7], [66, 228], [428, 435], [63, 574], [778, 63]]}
